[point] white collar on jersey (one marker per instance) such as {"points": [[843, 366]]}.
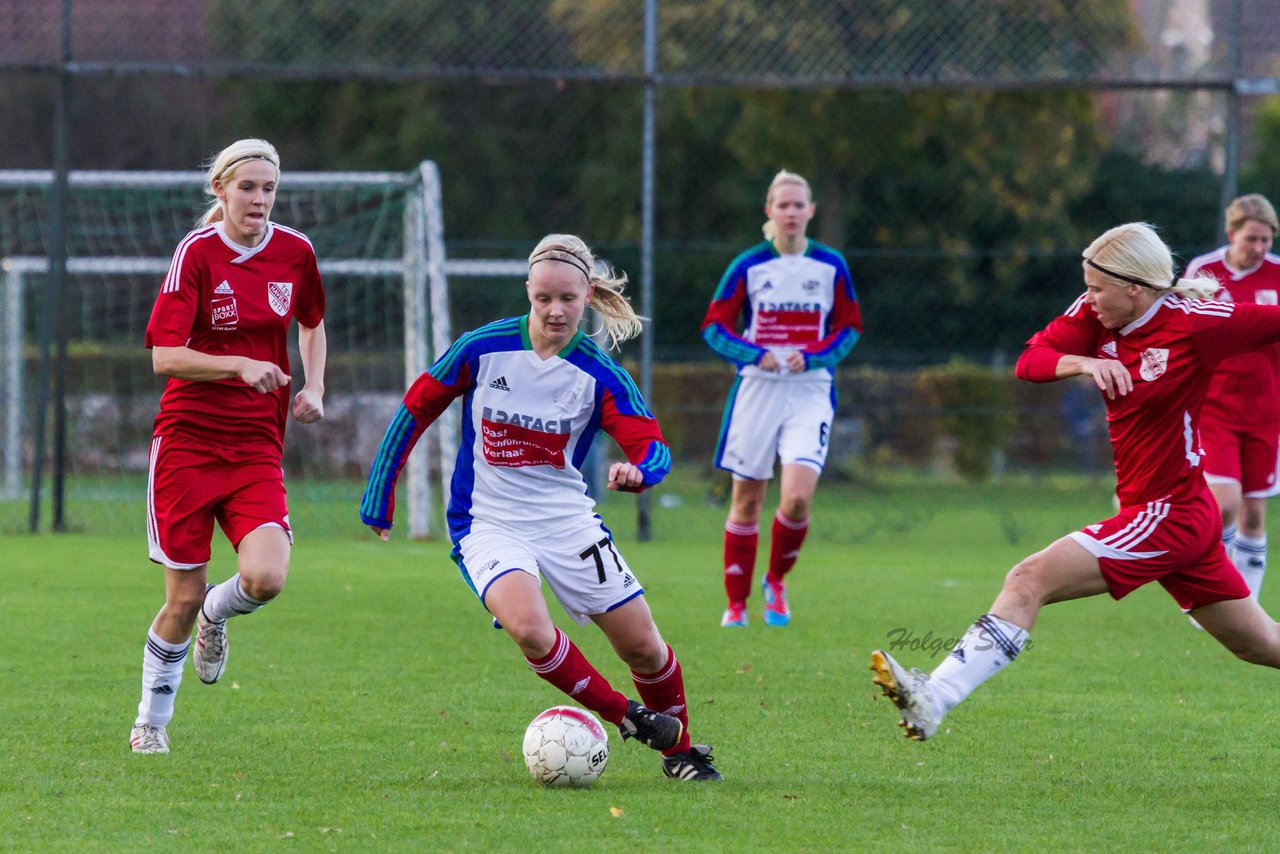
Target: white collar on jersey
{"points": [[246, 252], [1146, 316], [1237, 275]]}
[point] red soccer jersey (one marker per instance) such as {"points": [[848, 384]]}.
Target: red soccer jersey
{"points": [[1170, 352], [1245, 388], [228, 300]]}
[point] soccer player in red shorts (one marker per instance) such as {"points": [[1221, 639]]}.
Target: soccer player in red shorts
{"points": [[219, 331], [1150, 342], [1240, 426]]}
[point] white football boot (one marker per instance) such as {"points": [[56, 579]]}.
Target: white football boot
{"points": [[148, 738], [910, 692], [209, 652]]}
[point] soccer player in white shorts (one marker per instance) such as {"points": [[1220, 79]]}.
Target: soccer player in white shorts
{"points": [[796, 300], [535, 392]]}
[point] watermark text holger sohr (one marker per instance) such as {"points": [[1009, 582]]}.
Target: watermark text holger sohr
{"points": [[904, 639]]}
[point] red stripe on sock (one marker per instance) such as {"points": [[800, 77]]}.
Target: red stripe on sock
{"points": [[568, 669], [664, 692]]}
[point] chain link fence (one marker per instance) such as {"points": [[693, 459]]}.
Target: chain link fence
{"points": [[961, 153]]}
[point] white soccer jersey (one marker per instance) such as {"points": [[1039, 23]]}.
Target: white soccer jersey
{"points": [[527, 425], [786, 302]]}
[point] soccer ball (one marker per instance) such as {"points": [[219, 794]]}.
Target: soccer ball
{"points": [[566, 746]]}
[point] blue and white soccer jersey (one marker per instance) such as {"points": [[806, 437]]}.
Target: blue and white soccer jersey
{"points": [[804, 303], [527, 425]]}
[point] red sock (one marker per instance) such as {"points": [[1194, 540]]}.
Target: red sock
{"points": [[740, 542], [788, 536], [568, 669], [664, 692]]}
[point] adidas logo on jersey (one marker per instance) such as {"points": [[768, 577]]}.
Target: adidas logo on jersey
{"points": [[500, 384], [223, 288]]}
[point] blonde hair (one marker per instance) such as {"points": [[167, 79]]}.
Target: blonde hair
{"points": [[1252, 206], [1133, 254], [783, 177], [225, 164], [620, 320]]}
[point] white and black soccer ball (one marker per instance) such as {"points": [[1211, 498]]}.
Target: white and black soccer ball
{"points": [[566, 746]]}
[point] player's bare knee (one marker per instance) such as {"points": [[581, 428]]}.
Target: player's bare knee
{"points": [[645, 657], [263, 588], [1025, 582], [534, 637], [795, 509]]}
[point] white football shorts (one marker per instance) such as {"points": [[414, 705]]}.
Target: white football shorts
{"points": [[767, 418], [584, 568]]}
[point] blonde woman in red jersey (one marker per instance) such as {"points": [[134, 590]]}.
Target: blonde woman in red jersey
{"points": [[1150, 343], [219, 332], [1240, 428]]}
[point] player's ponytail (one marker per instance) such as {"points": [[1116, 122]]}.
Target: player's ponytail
{"points": [[1133, 254], [783, 177], [620, 320], [225, 164]]}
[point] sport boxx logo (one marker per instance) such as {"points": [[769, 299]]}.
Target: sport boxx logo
{"points": [[223, 313]]}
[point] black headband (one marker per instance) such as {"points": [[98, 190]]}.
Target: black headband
{"points": [[227, 168], [561, 255], [1113, 274]]}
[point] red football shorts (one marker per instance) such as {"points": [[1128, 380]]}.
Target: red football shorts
{"points": [[1247, 454], [189, 488], [1178, 545]]}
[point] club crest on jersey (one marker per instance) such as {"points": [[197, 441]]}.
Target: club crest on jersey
{"points": [[1155, 361], [279, 295], [811, 286], [1267, 297]]}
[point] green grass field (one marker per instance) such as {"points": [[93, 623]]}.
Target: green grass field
{"points": [[373, 708]]}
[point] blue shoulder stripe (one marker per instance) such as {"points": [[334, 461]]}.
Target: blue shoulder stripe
{"points": [[757, 254], [827, 255], [501, 334], [600, 365]]}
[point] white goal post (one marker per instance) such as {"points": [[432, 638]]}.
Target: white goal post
{"points": [[421, 265]]}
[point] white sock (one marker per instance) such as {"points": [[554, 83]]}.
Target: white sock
{"points": [[1251, 559], [1229, 539], [988, 645], [161, 675], [228, 599]]}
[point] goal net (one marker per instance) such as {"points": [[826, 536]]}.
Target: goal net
{"points": [[380, 242]]}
